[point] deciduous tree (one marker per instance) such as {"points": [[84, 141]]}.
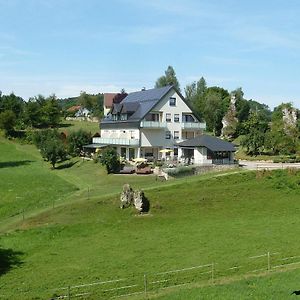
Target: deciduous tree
{"points": [[168, 79], [7, 121], [76, 140]]}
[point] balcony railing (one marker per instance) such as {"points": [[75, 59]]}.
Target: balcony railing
{"points": [[153, 124], [193, 125], [116, 141]]}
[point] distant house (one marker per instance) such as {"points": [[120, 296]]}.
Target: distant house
{"points": [[74, 108], [83, 112], [79, 112]]}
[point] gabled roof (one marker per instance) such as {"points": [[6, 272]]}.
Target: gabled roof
{"points": [[138, 103], [147, 95], [210, 142], [74, 108]]}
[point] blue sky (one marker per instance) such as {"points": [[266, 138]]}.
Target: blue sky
{"points": [[68, 46]]}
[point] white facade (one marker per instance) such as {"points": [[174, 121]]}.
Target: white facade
{"points": [[168, 122]]}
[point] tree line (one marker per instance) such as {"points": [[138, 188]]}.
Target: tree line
{"points": [[42, 112], [227, 114], [230, 115]]}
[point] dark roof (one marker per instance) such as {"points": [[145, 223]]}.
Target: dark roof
{"points": [[210, 142], [138, 103], [147, 95]]}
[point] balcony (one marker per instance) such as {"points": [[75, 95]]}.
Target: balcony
{"points": [[153, 124], [116, 141], [193, 125]]}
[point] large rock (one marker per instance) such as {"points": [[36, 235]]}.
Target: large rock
{"points": [[126, 197], [141, 202]]}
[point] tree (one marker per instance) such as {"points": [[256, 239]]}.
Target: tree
{"points": [[76, 140], [201, 87], [7, 121], [168, 79], [51, 113], [213, 106], [53, 150], [94, 103], [195, 93], [32, 113], [41, 112], [50, 144], [254, 141], [13, 103], [283, 137], [110, 160]]}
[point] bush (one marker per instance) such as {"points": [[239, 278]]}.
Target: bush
{"points": [[287, 159], [110, 160], [181, 171]]}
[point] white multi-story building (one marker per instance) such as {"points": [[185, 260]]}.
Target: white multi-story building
{"points": [[150, 123]]}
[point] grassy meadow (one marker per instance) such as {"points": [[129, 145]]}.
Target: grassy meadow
{"points": [[74, 232], [70, 126]]}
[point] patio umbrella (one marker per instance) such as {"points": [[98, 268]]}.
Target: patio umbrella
{"points": [[165, 150], [139, 159]]}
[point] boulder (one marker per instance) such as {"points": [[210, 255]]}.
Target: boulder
{"points": [[126, 197], [141, 202]]}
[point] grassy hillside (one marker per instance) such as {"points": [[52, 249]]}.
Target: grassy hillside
{"points": [[222, 220], [278, 286], [70, 126]]}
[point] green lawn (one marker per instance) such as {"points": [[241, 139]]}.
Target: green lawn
{"points": [[277, 286], [86, 238], [69, 126]]}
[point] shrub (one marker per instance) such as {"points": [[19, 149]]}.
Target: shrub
{"points": [[181, 171], [110, 160]]}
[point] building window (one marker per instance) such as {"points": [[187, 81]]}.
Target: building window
{"points": [[152, 117], [188, 118], [172, 101], [176, 118], [175, 151], [176, 135], [123, 152], [168, 135], [168, 117], [123, 117]]}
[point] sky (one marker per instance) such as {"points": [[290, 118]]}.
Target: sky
{"points": [[68, 46]]}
